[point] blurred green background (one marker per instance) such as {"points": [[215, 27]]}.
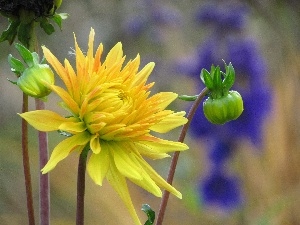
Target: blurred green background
{"points": [[270, 176]]}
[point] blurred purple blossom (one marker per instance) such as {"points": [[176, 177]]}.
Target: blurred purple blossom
{"points": [[229, 16], [228, 42], [220, 190], [221, 151], [152, 15]]}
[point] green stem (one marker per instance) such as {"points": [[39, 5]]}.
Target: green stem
{"points": [[81, 186], [173, 165], [26, 164]]}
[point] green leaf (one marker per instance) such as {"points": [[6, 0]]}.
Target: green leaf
{"points": [[25, 54], [11, 32], [188, 97], [16, 65], [63, 15], [36, 58], [47, 27], [57, 19], [229, 77], [13, 82], [207, 79], [150, 214]]}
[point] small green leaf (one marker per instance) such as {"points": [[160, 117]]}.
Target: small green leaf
{"points": [[63, 15], [64, 133], [207, 79], [36, 58], [150, 214], [13, 82], [11, 32], [188, 97], [25, 54], [16, 65], [229, 77], [57, 19], [47, 27]]}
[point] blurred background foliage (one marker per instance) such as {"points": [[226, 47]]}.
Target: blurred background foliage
{"points": [[230, 175]]}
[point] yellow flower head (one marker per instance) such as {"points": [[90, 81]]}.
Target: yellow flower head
{"points": [[111, 111]]}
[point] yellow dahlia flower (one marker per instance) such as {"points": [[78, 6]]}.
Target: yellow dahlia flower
{"points": [[111, 110]]}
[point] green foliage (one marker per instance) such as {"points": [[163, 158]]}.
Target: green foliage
{"points": [[22, 19], [150, 214], [34, 79], [218, 82]]}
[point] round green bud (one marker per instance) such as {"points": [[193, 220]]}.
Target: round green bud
{"points": [[34, 80], [224, 109]]}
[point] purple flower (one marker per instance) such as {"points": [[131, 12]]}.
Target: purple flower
{"points": [[152, 15], [221, 151], [223, 17], [221, 190]]}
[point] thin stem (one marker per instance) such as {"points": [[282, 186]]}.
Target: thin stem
{"points": [[81, 186], [26, 164], [44, 178], [165, 198], [43, 149]]}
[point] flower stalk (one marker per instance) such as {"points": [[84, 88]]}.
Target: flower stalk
{"points": [[43, 178], [26, 164], [175, 157], [81, 186]]}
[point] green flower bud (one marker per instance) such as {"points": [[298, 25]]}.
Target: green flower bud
{"points": [[221, 110], [34, 81]]}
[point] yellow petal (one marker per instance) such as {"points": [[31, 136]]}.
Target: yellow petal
{"points": [[44, 120], [147, 151], [63, 149], [157, 178], [67, 99], [164, 146], [146, 183], [98, 165], [58, 67], [71, 127], [95, 144], [114, 55], [124, 162], [118, 182], [170, 122], [143, 75], [163, 99]]}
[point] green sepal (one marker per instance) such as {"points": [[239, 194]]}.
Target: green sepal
{"points": [[64, 133], [43, 61], [13, 82], [36, 58], [150, 214], [16, 65], [59, 17], [229, 77], [207, 79], [25, 54], [188, 97], [11, 32], [47, 27], [216, 74]]}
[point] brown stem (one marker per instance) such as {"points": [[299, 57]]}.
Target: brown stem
{"points": [[26, 164], [165, 197], [81, 186], [44, 178]]}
